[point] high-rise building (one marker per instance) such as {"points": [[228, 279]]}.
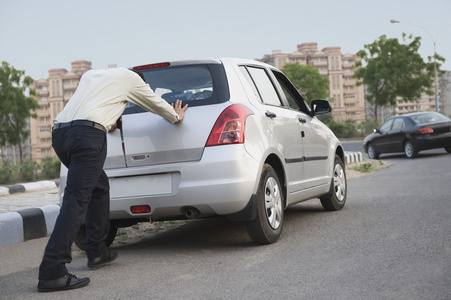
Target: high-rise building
{"points": [[52, 94], [348, 99]]}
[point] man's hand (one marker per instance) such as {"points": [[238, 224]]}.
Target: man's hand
{"points": [[179, 110], [113, 127]]}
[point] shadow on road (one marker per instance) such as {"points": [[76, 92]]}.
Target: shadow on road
{"points": [[211, 233]]}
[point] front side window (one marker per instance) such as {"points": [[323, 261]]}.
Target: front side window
{"points": [[386, 126], [294, 99]]}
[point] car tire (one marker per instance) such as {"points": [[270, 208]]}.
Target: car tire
{"points": [[336, 198], [372, 153], [81, 234], [266, 228], [410, 150]]}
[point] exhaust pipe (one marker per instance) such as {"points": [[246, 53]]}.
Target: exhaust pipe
{"points": [[192, 213]]}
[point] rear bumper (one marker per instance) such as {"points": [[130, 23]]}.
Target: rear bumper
{"points": [[433, 141], [221, 183]]}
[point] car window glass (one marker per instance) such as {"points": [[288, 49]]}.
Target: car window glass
{"points": [[265, 87], [398, 123], [431, 117], [294, 99], [251, 83], [199, 84], [386, 126]]}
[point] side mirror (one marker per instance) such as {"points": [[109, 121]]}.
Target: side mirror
{"points": [[321, 107], [376, 130]]}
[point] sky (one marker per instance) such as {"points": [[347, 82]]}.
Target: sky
{"points": [[38, 35]]}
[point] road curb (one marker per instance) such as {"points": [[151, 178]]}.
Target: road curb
{"points": [[29, 187], [353, 157], [27, 224]]}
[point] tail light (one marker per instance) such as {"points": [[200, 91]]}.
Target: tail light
{"points": [[229, 127], [140, 209], [425, 130], [152, 66]]}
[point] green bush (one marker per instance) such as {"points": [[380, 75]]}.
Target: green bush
{"points": [[29, 171], [6, 173], [50, 168]]}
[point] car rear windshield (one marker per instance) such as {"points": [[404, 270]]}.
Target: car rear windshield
{"points": [[430, 117], [197, 84]]}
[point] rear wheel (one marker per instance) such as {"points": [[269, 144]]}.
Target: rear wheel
{"points": [[81, 234], [410, 150], [267, 226], [336, 198], [372, 153]]}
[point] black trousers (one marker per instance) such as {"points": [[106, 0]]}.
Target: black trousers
{"points": [[82, 149]]}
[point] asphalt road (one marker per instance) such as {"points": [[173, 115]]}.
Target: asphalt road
{"points": [[391, 241]]}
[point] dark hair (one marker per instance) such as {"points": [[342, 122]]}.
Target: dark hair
{"points": [[139, 73]]}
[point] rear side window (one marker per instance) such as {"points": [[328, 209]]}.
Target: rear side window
{"points": [[264, 86], [195, 85]]}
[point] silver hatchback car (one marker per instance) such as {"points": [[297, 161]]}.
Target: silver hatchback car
{"points": [[249, 146]]}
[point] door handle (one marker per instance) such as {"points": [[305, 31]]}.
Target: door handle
{"points": [[270, 114]]}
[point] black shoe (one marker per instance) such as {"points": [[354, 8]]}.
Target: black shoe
{"points": [[107, 257], [67, 282]]}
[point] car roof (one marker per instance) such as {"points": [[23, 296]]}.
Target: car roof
{"points": [[413, 114], [213, 60], [417, 113]]}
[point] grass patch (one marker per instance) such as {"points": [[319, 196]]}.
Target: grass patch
{"points": [[367, 167]]}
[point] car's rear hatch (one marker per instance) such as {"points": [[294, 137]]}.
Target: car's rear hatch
{"points": [[148, 139]]}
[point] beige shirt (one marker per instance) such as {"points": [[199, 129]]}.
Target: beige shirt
{"points": [[102, 96]]}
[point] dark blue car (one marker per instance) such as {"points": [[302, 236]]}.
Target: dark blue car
{"points": [[410, 133]]}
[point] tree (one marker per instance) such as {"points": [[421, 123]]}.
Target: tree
{"points": [[393, 69], [307, 80], [16, 107]]}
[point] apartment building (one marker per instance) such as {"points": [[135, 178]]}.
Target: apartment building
{"points": [[52, 94], [348, 99], [427, 102]]}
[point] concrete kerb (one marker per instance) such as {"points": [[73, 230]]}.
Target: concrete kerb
{"points": [[353, 157], [29, 187], [27, 224], [32, 223]]}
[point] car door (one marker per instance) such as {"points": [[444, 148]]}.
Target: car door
{"points": [[396, 135], [314, 136], [381, 141], [283, 123]]}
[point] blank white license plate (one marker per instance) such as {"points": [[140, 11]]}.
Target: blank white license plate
{"points": [[145, 185]]}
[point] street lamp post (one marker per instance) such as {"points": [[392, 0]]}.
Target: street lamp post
{"points": [[435, 53]]}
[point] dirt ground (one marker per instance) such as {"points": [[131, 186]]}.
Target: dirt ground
{"points": [[352, 170]]}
